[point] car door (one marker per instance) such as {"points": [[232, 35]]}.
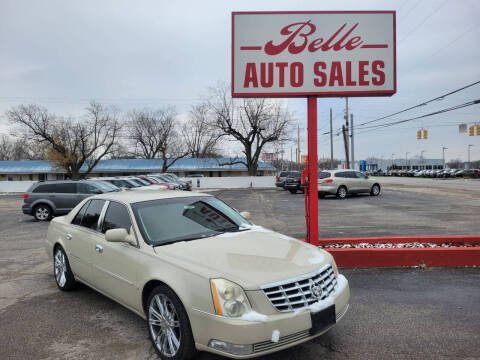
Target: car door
{"points": [[65, 197], [115, 264], [353, 182], [362, 181], [81, 239]]}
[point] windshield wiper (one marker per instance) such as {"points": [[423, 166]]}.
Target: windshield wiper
{"points": [[188, 239]]}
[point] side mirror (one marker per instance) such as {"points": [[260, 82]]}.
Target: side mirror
{"points": [[120, 235], [245, 214]]}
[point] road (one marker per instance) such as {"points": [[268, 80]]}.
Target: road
{"points": [[394, 314]]}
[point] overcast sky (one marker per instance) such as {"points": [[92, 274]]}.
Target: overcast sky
{"points": [[61, 54]]}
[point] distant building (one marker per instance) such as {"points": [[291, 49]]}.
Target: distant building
{"points": [[38, 170], [415, 163]]}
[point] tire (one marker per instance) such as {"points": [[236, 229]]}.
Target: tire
{"points": [[321, 195], [375, 191], [61, 270], [42, 212], [166, 315], [342, 192], [293, 191]]}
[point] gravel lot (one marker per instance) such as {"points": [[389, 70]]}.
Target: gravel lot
{"points": [[394, 314]]}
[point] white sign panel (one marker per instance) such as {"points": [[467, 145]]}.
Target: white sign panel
{"points": [[344, 53]]}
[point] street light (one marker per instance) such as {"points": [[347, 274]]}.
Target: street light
{"points": [[469, 146], [421, 158], [443, 156]]}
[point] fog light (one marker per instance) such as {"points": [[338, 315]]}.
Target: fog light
{"points": [[233, 349]]}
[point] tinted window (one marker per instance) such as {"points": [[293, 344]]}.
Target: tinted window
{"points": [[83, 188], [324, 175], [142, 181], [64, 188], [45, 188], [351, 174], [295, 174], [284, 174], [359, 175], [78, 218], [116, 217], [92, 214], [340, 175]]}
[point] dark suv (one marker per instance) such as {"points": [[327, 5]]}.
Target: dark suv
{"points": [[293, 183], [45, 199]]}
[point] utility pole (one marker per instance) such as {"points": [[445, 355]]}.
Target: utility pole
{"points": [[469, 146], [291, 158], [406, 159], [345, 134], [421, 159], [298, 147], [351, 142], [331, 141], [443, 156]]}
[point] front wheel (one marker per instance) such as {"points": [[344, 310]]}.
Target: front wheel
{"points": [[61, 268], [375, 191], [168, 325]]}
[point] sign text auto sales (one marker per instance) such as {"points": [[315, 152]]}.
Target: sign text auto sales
{"points": [[297, 54]]}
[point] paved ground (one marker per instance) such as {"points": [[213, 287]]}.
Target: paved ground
{"points": [[395, 313]]}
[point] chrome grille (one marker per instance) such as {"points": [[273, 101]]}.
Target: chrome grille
{"points": [[296, 293], [284, 340]]}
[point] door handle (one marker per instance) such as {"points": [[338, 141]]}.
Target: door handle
{"points": [[68, 237], [99, 249]]}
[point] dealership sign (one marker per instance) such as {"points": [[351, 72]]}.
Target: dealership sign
{"points": [[344, 53]]}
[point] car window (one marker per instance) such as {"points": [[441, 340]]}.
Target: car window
{"points": [[182, 219], [350, 174], [77, 220], [64, 188], [83, 188], [142, 181], [284, 174], [340, 174], [46, 188], [92, 214], [359, 175], [116, 217], [324, 175]]}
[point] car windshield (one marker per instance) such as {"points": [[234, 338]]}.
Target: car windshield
{"points": [[142, 181], [166, 221], [173, 177], [131, 183], [106, 186]]}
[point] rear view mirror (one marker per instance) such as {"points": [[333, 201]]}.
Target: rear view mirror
{"points": [[120, 235], [245, 214]]}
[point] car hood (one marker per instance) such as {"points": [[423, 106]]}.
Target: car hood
{"points": [[250, 258]]}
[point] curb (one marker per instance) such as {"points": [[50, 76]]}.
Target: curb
{"points": [[407, 257]]}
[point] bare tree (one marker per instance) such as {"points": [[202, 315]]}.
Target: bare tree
{"points": [[70, 143], [6, 148], [201, 138], [155, 134], [253, 122]]}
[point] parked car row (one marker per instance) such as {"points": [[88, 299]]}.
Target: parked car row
{"points": [[43, 200], [446, 173]]}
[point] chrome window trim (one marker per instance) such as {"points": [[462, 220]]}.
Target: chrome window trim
{"points": [[129, 211]]}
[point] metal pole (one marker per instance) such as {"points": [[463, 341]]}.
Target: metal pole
{"points": [[331, 141], [298, 146], [312, 172], [469, 146], [443, 156], [351, 142], [345, 134], [406, 160]]}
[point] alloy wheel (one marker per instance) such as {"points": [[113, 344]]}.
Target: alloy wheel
{"points": [[42, 213], [60, 268], [342, 192], [164, 325]]}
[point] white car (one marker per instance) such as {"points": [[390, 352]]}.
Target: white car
{"points": [[346, 181], [202, 275]]}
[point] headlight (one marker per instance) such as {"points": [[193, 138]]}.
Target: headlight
{"points": [[229, 298]]}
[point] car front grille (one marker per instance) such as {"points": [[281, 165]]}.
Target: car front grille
{"points": [[296, 293], [284, 340]]}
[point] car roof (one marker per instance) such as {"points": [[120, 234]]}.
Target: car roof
{"points": [[139, 196]]}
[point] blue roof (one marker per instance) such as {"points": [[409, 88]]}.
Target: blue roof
{"points": [[129, 165]]}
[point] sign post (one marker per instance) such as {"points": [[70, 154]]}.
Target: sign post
{"points": [[313, 54]]}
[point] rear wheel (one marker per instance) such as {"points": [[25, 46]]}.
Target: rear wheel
{"points": [[168, 325], [375, 191], [42, 212], [342, 192]]}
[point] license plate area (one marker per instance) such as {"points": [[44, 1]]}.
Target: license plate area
{"points": [[322, 320]]}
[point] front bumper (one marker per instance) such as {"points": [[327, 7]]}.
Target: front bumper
{"points": [[293, 327]]}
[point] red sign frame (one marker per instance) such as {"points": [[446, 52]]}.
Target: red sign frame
{"points": [[350, 93]]}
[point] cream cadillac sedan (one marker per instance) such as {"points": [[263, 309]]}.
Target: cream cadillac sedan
{"points": [[199, 272]]}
